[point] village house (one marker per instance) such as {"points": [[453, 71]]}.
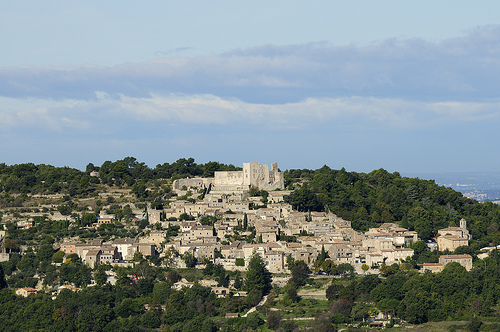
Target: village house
{"points": [[146, 249], [432, 267], [397, 255], [339, 252], [221, 292], [25, 224], [451, 243], [451, 238], [125, 248], [318, 227], [69, 247], [105, 219], [464, 260], [92, 257], [26, 291], [275, 261], [81, 249], [182, 283], [154, 216], [68, 287], [233, 250]]}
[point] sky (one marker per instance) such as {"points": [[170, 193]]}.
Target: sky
{"points": [[408, 86]]}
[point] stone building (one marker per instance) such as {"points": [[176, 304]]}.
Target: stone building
{"points": [[253, 174]]}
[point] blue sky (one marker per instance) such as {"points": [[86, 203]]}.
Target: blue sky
{"points": [[409, 86]]}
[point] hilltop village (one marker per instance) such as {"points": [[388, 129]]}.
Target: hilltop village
{"points": [[228, 218], [189, 247]]}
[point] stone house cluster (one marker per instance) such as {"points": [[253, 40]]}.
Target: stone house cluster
{"points": [[226, 197], [313, 231], [94, 252]]}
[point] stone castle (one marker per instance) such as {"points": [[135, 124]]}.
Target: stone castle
{"points": [[253, 175]]}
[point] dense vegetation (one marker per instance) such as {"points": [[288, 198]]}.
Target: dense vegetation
{"points": [[368, 200], [46, 179], [453, 294]]}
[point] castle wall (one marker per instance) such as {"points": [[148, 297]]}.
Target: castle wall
{"points": [[253, 174], [225, 178], [199, 183]]}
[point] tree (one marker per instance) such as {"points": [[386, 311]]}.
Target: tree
{"points": [[474, 324], [3, 283], [345, 269], [323, 255], [138, 257], [254, 320], [290, 262], [274, 320], [245, 221], [170, 254], [173, 276], [303, 199], [45, 253], [388, 306], [189, 259], [238, 283], [300, 272], [88, 219], [291, 292], [100, 276], [329, 266], [58, 256], [258, 277]]}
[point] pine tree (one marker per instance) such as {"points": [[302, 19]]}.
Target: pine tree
{"points": [[323, 255], [258, 277]]}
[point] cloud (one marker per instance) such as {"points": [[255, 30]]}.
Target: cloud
{"points": [[465, 69], [108, 114], [173, 51]]}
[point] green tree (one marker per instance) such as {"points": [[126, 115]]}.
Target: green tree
{"points": [[3, 283], [333, 291], [291, 295], [189, 259], [238, 283], [300, 272], [323, 255], [100, 276], [45, 253], [345, 269], [303, 199], [274, 320], [88, 219], [58, 256], [254, 320], [258, 277], [245, 221]]}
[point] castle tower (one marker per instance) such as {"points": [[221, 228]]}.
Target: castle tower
{"points": [[463, 223]]}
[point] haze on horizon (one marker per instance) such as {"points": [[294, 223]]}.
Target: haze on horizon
{"points": [[408, 87]]}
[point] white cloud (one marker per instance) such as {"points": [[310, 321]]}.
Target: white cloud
{"points": [[113, 112]]}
